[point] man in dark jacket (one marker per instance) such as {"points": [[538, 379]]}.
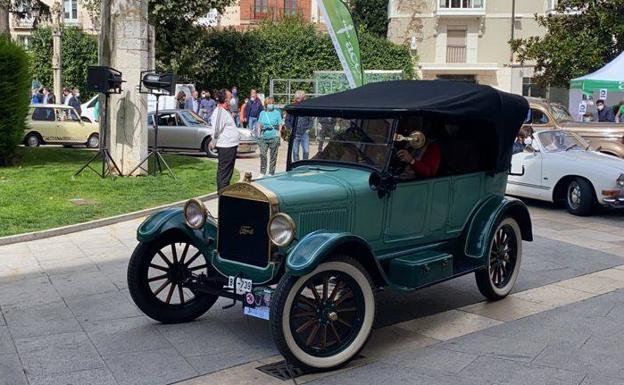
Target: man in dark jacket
{"points": [[301, 132], [252, 110], [605, 113]]}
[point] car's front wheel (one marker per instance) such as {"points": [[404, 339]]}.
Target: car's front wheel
{"points": [[579, 197], [321, 321], [93, 141], [505, 254], [156, 272], [211, 152], [33, 140]]}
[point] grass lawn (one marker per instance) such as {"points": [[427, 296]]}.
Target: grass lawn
{"points": [[37, 194]]}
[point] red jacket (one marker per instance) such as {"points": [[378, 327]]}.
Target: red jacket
{"points": [[429, 163]]}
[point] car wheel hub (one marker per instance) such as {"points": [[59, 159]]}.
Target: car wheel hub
{"points": [[574, 195], [503, 256]]}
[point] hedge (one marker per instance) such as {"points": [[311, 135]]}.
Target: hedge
{"points": [[290, 48], [79, 51], [15, 68]]}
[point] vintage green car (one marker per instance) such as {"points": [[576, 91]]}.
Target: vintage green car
{"points": [[404, 189]]}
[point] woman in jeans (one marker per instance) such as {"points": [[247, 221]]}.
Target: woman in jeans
{"points": [[268, 128]]}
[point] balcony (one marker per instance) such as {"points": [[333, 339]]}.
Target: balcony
{"points": [[455, 54], [461, 8], [22, 22]]}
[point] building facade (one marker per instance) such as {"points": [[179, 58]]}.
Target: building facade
{"points": [[247, 13], [73, 15], [468, 40]]}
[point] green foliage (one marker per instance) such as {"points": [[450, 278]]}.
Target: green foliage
{"points": [[15, 95], [581, 37], [371, 15], [290, 48], [79, 51]]}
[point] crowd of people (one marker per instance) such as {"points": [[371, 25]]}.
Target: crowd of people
{"points": [[610, 114], [71, 97]]}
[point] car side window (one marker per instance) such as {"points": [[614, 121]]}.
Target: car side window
{"points": [[179, 121], [538, 117], [73, 116], [43, 114]]}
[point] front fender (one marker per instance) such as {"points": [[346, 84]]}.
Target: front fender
{"points": [[317, 245], [485, 219], [173, 219]]}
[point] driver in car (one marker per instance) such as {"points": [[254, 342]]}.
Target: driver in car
{"points": [[423, 161]]}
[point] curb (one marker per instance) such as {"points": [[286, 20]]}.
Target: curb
{"points": [[94, 224]]}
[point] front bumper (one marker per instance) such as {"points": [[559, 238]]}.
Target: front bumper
{"points": [[613, 201]]}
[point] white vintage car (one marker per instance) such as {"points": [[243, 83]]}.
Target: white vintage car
{"points": [[559, 166]]}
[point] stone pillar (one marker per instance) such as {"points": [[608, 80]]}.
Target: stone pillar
{"points": [[125, 45], [57, 64]]}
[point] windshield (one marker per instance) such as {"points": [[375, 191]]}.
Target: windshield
{"points": [[356, 141], [561, 141], [560, 113], [192, 119]]}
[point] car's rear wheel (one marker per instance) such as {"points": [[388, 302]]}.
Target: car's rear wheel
{"points": [[93, 141], [155, 275], [323, 319], [579, 197], [505, 255], [211, 152], [33, 140]]}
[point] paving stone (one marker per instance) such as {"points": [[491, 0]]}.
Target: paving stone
{"points": [[59, 353], [13, 268], [105, 306], [508, 309], [434, 358], [28, 292], [508, 347], [65, 266], [515, 373], [202, 337], [554, 295], [448, 325], [596, 379], [11, 372], [394, 341], [125, 335], [15, 250], [83, 377], [585, 360], [592, 283], [6, 341], [82, 283], [154, 367], [38, 320], [240, 375], [208, 363], [54, 248]]}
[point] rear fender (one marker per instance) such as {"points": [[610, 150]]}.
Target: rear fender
{"points": [[320, 244], [487, 217], [609, 147]]}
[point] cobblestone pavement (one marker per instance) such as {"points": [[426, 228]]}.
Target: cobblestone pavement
{"points": [[66, 318]]}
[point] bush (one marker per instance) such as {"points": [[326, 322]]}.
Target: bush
{"points": [[291, 48], [14, 93], [79, 51]]}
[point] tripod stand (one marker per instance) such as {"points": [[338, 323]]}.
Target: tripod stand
{"points": [[108, 164], [159, 160]]}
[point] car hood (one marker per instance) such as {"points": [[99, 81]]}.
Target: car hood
{"points": [[596, 159], [317, 186]]}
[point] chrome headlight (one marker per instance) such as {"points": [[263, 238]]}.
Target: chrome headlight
{"points": [[620, 181], [195, 213], [281, 230]]}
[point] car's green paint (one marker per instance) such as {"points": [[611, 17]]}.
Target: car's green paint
{"points": [[258, 275], [421, 269], [160, 222]]}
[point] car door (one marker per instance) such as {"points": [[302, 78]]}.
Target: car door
{"points": [[43, 121], [170, 132], [69, 126], [526, 174]]}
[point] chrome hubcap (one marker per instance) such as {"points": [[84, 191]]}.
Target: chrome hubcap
{"points": [[574, 195]]}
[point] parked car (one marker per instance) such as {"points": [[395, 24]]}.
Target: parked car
{"points": [[309, 248], [607, 138], [183, 130], [559, 166], [59, 124], [89, 109]]}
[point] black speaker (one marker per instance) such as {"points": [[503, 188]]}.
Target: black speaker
{"points": [[103, 79]]}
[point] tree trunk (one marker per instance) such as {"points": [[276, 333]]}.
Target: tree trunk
{"points": [[4, 20]]}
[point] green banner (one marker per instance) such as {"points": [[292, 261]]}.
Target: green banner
{"points": [[344, 36], [590, 85]]}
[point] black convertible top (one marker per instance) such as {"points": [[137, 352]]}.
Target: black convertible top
{"points": [[455, 101]]}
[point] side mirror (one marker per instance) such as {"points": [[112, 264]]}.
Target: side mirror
{"points": [[382, 183]]}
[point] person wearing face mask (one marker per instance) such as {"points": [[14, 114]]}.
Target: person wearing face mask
{"points": [[252, 110], [234, 109], [206, 106], [268, 131], [605, 114]]}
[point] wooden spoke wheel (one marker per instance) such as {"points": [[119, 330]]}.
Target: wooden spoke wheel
{"points": [[323, 319], [156, 274]]}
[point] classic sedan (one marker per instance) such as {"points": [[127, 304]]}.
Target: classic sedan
{"points": [[560, 166], [59, 124], [183, 130]]}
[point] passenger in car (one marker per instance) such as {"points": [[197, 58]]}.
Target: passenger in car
{"points": [[420, 162]]}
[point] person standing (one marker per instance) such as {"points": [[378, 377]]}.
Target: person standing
{"points": [[253, 109], [619, 116], [243, 113], [225, 138], [192, 103], [207, 106], [75, 101], [180, 100], [234, 109], [269, 128], [301, 131], [48, 98], [66, 96], [35, 98], [605, 114]]}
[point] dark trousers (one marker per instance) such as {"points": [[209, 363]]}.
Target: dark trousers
{"points": [[227, 158]]}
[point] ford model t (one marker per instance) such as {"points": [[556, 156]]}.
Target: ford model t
{"points": [[404, 189]]}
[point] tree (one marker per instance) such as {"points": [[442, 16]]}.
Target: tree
{"points": [[581, 37], [371, 15]]}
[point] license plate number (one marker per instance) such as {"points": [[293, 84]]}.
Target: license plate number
{"points": [[242, 285]]}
